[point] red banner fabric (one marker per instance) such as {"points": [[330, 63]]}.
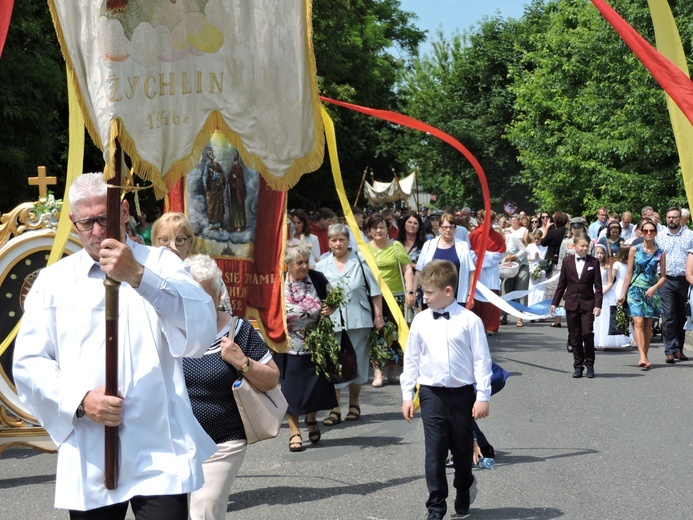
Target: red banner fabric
{"points": [[255, 285], [410, 122], [669, 76]]}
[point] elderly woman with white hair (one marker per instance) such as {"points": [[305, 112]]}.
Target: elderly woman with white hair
{"points": [[209, 380], [305, 391], [349, 269]]}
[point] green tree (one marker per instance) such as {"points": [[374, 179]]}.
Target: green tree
{"points": [[32, 102], [462, 88], [33, 106], [590, 123], [355, 42]]}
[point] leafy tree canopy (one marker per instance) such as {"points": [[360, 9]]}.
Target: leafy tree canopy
{"points": [[590, 124]]}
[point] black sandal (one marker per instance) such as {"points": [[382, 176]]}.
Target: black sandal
{"points": [[295, 446], [333, 418], [313, 435], [353, 416]]}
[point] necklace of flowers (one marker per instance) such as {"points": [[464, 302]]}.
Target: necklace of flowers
{"points": [[294, 290]]}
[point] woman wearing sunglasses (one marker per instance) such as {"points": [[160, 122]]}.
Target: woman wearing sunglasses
{"points": [[640, 288]]}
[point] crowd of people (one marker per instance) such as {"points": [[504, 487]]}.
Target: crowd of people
{"points": [[184, 346]]}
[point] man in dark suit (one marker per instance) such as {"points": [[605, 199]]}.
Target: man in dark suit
{"points": [[580, 284]]}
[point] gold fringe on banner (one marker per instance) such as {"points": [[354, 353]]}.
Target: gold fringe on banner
{"points": [[163, 181]]}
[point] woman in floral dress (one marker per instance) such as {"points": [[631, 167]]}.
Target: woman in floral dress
{"points": [[305, 391], [640, 288]]}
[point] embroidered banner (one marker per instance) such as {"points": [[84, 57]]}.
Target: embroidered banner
{"points": [[240, 222], [162, 75]]}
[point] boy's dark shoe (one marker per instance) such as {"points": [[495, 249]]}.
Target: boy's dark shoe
{"points": [[590, 372], [578, 372], [465, 499], [433, 515], [462, 504]]}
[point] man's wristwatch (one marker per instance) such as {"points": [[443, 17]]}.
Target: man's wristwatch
{"points": [[80, 409], [246, 366]]}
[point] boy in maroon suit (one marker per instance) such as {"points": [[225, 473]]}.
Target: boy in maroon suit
{"points": [[580, 284]]}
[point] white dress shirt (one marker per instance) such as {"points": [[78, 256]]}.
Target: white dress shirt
{"points": [[579, 264], [448, 353], [59, 357]]}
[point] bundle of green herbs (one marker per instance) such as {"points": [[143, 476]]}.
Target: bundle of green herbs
{"points": [[321, 341]]}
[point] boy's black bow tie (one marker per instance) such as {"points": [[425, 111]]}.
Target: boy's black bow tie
{"points": [[437, 315]]}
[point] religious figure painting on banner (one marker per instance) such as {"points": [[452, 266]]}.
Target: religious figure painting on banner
{"points": [[222, 195]]}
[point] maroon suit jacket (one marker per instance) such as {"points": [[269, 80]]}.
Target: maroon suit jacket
{"points": [[584, 293]]}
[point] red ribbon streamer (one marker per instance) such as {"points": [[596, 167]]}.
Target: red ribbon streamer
{"points": [[409, 122], [669, 76], [5, 15]]}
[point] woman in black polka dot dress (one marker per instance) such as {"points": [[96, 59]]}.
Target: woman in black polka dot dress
{"points": [[209, 380]]}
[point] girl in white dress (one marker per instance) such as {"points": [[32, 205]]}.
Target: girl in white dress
{"points": [[610, 290], [536, 253], [620, 269]]}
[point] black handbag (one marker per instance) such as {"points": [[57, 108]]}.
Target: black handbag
{"points": [[619, 320], [347, 358]]}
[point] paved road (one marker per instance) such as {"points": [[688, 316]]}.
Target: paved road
{"points": [[616, 447]]}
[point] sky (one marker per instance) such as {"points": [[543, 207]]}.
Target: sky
{"points": [[457, 14]]}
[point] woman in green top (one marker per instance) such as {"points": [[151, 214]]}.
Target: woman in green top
{"points": [[396, 271]]}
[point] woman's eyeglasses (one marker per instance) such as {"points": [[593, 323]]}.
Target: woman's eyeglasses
{"points": [[535, 222], [544, 216], [179, 241], [648, 231]]}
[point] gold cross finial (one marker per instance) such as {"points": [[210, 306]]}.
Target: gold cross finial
{"points": [[42, 181]]}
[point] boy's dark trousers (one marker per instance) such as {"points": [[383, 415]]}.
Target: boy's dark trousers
{"points": [[447, 418], [581, 337]]}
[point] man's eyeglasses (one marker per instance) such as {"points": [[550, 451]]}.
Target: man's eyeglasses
{"points": [[86, 224], [179, 241], [448, 227]]}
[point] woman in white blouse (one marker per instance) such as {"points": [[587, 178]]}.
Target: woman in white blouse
{"points": [[516, 251]]}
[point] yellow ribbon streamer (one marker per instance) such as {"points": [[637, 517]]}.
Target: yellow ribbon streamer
{"points": [[669, 45], [402, 327], [75, 160]]}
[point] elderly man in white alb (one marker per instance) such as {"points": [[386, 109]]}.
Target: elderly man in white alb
{"points": [[59, 369]]}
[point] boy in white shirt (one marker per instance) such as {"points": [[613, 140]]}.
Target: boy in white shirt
{"points": [[446, 354]]}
